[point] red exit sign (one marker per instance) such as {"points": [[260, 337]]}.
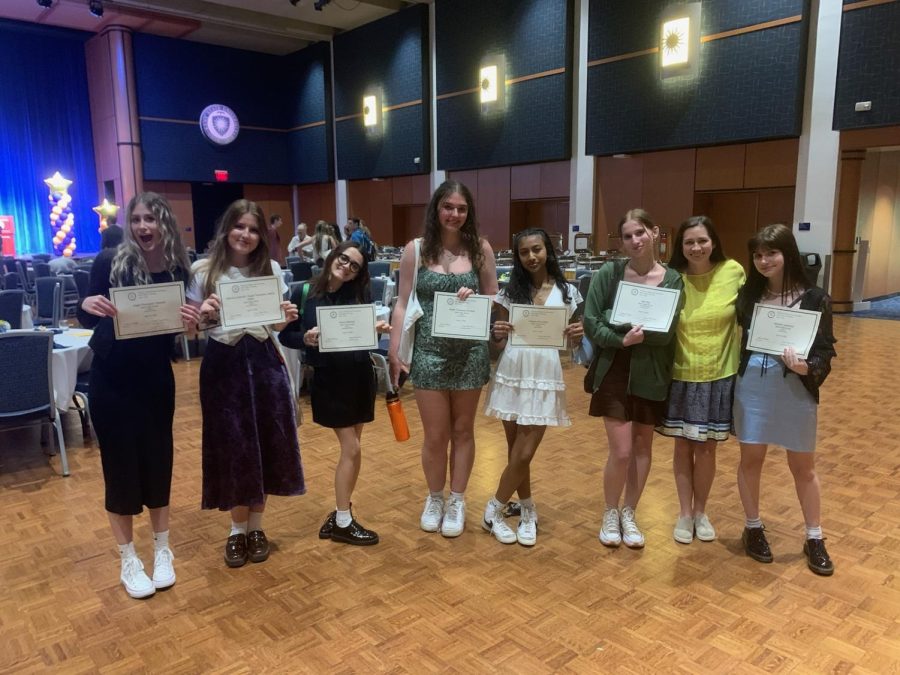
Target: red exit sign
{"points": [[221, 175]]}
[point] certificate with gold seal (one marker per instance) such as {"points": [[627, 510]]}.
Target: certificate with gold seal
{"points": [[151, 309]]}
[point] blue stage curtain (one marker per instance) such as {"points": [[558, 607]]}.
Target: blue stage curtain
{"points": [[45, 126]]}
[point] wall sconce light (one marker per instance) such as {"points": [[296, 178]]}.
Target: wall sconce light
{"points": [[492, 83], [679, 45], [371, 111]]}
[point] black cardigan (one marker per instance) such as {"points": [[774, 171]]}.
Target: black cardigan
{"points": [[820, 354]]}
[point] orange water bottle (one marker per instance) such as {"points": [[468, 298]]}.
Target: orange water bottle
{"points": [[398, 419]]}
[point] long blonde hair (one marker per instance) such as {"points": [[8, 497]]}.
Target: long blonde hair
{"points": [[129, 267], [258, 264]]}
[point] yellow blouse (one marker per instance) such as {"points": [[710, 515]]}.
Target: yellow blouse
{"points": [[707, 347]]}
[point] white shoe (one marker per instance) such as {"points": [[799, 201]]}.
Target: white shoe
{"points": [[494, 523], [137, 584], [684, 530], [432, 514], [454, 518], [163, 569], [631, 535], [609, 530], [705, 530], [526, 533]]}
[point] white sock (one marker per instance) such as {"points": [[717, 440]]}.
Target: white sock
{"points": [[813, 532], [527, 503], [238, 528], [342, 518], [439, 495], [753, 523], [461, 496], [160, 540], [127, 550], [255, 521]]}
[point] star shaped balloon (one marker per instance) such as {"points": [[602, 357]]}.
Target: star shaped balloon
{"points": [[57, 183]]}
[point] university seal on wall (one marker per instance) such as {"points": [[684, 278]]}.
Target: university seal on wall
{"points": [[219, 124]]}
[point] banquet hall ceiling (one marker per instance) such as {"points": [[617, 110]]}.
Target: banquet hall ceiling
{"points": [[271, 26]]}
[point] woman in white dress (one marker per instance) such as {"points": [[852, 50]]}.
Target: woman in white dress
{"points": [[528, 392]]}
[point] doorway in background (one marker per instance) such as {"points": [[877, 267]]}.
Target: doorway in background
{"points": [[209, 202]]}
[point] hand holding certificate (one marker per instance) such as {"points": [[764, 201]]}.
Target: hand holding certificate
{"points": [[250, 302], [346, 328], [651, 307], [468, 319], [152, 309], [774, 328], [538, 326]]}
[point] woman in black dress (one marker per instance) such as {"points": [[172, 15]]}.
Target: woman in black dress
{"points": [[133, 389], [343, 389]]}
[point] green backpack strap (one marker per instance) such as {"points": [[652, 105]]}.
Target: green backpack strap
{"points": [[303, 295]]}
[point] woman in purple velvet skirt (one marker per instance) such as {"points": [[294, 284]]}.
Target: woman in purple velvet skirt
{"points": [[250, 447]]}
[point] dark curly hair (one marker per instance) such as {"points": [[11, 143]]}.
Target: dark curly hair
{"points": [[519, 288], [356, 289]]}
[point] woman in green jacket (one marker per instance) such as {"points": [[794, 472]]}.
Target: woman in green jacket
{"points": [[630, 376]]}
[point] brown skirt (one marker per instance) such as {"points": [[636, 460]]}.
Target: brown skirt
{"points": [[613, 400]]}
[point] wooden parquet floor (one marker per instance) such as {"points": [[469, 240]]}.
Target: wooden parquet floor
{"points": [[418, 603]]}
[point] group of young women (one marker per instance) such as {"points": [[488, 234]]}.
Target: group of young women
{"points": [[679, 383]]}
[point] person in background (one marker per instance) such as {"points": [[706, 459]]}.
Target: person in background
{"points": [[63, 265], [111, 237], [249, 444], [629, 377], [301, 244], [323, 243], [698, 412], [448, 373], [133, 389], [275, 249], [776, 397], [336, 232], [343, 389]]}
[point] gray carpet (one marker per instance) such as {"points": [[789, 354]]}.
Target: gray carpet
{"points": [[889, 308]]}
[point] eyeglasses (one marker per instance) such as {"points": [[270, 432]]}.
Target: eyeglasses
{"points": [[344, 260]]}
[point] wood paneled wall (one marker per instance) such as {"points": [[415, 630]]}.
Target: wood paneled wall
{"points": [[879, 221], [316, 202], [179, 196]]}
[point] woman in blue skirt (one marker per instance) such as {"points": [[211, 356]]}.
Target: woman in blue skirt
{"points": [[776, 397]]}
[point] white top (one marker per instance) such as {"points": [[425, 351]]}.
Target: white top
{"points": [[196, 293]]}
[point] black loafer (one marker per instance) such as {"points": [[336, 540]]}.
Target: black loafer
{"points": [[354, 534], [236, 550], [817, 557], [257, 546], [512, 510], [755, 544], [327, 526]]}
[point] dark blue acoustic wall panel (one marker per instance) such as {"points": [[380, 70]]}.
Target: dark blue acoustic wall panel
{"points": [[749, 86], [391, 55], [535, 37], [869, 67], [176, 80], [310, 155]]}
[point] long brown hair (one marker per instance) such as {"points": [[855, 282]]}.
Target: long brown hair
{"points": [[356, 289], [258, 264], [678, 261], [468, 233], [776, 237]]}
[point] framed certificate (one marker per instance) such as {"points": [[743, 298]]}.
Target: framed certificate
{"points": [[250, 302], [773, 327], [649, 306], [538, 326], [468, 319], [154, 309], [346, 328]]}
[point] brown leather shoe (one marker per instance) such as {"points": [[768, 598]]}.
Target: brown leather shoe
{"points": [[257, 546], [236, 550]]}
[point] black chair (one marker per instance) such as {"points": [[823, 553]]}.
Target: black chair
{"points": [[9, 265], [379, 268], [49, 301], [11, 307], [82, 402], [41, 269], [584, 282], [42, 257], [71, 298], [302, 271], [82, 282], [379, 286], [11, 281], [26, 281], [26, 360], [291, 259]]}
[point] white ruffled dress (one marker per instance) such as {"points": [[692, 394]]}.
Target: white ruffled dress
{"points": [[528, 385]]}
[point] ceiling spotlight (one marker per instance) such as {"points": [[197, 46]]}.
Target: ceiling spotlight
{"points": [[45, 3], [96, 7]]}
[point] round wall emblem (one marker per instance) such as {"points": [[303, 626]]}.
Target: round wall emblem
{"points": [[219, 124]]}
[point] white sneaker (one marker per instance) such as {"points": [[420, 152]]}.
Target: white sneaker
{"points": [[631, 535], [494, 523], [705, 530], [609, 530], [526, 533], [684, 530], [432, 514], [137, 584], [163, 569], [454, 518]]}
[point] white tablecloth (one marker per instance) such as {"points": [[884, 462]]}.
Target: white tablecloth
{"points": [[27, 319], [75, 357]]}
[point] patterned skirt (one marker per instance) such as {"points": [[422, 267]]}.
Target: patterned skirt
{"points": [[699, 411]]}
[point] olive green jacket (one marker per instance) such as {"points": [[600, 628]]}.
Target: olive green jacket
{"points": [[651, 360]]}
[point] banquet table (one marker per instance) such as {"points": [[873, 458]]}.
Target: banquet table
{"points": [[73, 356], [27, 318]]}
